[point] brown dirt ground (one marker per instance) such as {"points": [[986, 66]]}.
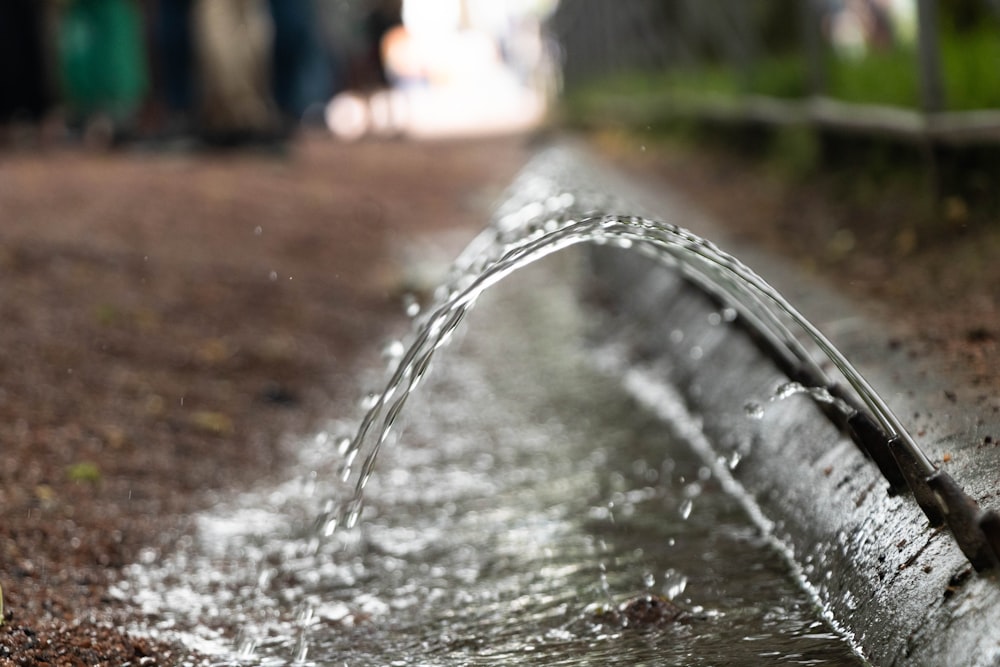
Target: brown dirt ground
{"points": [[168, 321]]}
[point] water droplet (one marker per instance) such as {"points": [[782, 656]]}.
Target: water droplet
{"points": [[676, 336], [410, 305], [685, 509], [754, 410], [301, 649], [714, 319], [734, 460], [696, 352], [674, 584], [787, 390], [729, 314], [353, 515], [258, 230], [272, 276], [304, 614], [822, 394], [393, 351], [648, 580], [369, 400], [348, 464], [247, 646], [343, 445]]}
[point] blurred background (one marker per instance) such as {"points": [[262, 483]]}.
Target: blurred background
{"points": [[890, 107], [930, 54], [243, 71], [239, 71]]}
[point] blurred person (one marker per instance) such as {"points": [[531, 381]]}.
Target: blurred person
{"points": [[173, 53], [302, 73], [856, 27], [383, 17], [232, 45], [102, 66], [25, 94], [369, 105]]}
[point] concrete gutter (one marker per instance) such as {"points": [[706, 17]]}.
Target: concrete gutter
{"points": [[903, 591]]}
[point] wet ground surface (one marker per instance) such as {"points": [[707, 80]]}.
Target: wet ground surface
{"points": [[170, 323], [532, 513]]}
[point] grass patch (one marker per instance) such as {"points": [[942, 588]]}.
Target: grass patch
{"points": [[85, 471], [885, 78], [970, 65]]}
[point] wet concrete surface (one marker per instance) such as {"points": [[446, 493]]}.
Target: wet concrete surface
{"points": [[903, 590], [533, 512]]}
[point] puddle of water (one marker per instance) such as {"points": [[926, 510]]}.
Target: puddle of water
{"points": [[530, 496]]}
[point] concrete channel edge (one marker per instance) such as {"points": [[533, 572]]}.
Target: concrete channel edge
{"points": [[902, 590]]}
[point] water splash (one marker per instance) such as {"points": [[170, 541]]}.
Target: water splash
{"points": [[532, 225], [674, 584], [787, 390], [685, 509], [533, 231], [753, 410], [537, 221]]}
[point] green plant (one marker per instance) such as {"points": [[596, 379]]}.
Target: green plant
{"points": [[84, 472], [969, 69], [879, 77]]}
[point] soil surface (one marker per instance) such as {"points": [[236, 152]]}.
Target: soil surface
{"points": [[172, 321]]}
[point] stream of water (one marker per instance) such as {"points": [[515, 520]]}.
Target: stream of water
{"points": [[531, 496], [531, 506]]}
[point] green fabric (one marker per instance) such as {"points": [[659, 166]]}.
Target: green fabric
{"points": [[102, 58]]}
